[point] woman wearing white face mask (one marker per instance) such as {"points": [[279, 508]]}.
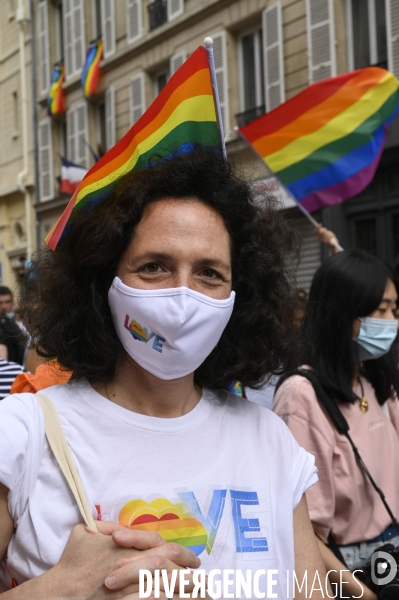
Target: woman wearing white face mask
{"points": [[349, 344], [157, 300]]}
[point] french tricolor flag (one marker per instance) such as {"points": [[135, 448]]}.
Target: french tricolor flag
{"points": [[71, 176]]}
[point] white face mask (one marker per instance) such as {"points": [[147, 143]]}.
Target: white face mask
{"points": [[168, 332]]}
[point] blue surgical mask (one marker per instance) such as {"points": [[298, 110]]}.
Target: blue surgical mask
{"points": [[376, 337]]}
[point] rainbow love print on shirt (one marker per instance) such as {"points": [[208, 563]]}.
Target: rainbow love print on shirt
{"points": [[187, 523], [168, 519]]}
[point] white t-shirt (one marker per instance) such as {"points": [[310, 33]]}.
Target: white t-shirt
{"points": [[223, 479]]}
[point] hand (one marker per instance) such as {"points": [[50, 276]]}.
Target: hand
{"points": [[155, 554], [86, 561], [327, 237]]}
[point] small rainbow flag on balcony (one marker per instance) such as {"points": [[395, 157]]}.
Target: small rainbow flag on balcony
{"points": [[325, 143], [185, 114], [55, 96], [91, 68]]}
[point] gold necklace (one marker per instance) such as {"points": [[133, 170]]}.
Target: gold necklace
{"points": [[363, 402]]}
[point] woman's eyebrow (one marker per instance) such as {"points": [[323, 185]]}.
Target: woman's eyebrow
{"points": [[213, 262], [153, 256]]}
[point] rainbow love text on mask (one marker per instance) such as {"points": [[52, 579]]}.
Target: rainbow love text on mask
{"points": [[141, 334]]}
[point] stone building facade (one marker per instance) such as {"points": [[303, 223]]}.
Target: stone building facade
{"points": [[16, 148], [266, 51]]}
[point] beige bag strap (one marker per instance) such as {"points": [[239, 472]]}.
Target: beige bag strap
{"points": [[59, 445]]}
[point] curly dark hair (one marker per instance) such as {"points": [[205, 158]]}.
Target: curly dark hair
{"points": [[66, 307]]}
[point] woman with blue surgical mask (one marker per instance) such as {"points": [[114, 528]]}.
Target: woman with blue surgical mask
{"points": [[349, 344]]}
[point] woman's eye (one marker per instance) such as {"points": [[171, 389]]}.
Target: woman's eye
{"points": [[210, 274], [151, 268]]}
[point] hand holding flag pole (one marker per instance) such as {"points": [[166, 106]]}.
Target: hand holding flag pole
{"points": [[299, 205]]}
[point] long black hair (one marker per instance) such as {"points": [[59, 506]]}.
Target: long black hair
{"points": [[348, 285]]}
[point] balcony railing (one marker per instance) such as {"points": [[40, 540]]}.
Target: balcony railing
{"points": [[158, 13], [243, 118]]}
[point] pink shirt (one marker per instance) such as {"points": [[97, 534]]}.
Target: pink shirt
{"points": [[343, 501]]}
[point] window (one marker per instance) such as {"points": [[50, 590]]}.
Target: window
{"points": [[272, 22], [137, 97], [162, 11], [321, 39], [134, 20], [367, 33], [74, 36], [43, 44], [77, 134], [107, 26], [97, 21], [46, 183], [60, 32], [392, 30], [160, 80], [176, 61], [62, 131], [110, 134], [252, 77], [101, 127]]}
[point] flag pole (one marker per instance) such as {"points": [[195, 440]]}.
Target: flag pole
{"points": [[288, 192], [208, 45]]}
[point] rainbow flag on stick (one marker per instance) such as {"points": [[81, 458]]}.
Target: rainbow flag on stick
{"points": [[55, 97], [185, 114], [324, 144], [91, 68]]}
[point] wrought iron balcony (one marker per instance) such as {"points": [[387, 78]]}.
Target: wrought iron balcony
{"points": [[158, 13], [249, 115]]}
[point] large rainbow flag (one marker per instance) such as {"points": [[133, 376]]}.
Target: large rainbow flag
{"points": [[324, 144], [55, 96], [91, 68], [186, 113]]}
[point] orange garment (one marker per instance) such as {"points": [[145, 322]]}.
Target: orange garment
{"points": [[45, 376]]}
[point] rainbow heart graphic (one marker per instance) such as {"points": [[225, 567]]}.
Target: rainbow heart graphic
{"points": [[167, 519]]}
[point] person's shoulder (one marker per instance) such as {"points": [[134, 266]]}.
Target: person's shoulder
{"points": [[67, 393], [23, 409], [294, 387], [296, 396]]}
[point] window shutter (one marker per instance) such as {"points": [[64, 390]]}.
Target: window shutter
{"points": [[137, 98], [77, 134], [108, 27], [176, 62], [175, 8], [110, 117], [219, 54], [82, 135], [274, 57], [68, 37], [392, 12], [43, 44], [321, 39], [134, 20], [71, 134], [74, 36], [79, 39], [46, 183]]}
